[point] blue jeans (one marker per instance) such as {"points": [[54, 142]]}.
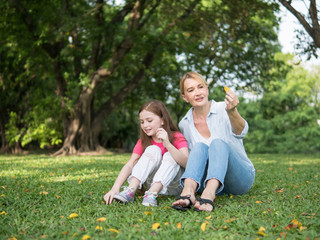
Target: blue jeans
{"points": [[221, 162]]}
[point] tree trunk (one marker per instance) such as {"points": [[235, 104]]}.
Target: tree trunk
{"points": [[88, 129], [4, 144]]}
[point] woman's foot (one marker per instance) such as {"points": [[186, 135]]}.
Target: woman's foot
{"points": [[205, 202], [184, 202], [204, 205], [208, 195]]}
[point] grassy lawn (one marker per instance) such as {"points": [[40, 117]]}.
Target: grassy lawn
{"points": [[39, 194]]}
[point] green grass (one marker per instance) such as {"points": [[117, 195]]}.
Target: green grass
{"points": [[38, 193]]}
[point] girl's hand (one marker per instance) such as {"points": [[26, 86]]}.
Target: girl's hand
{"points": [[231, 101], [109, 196], [163, 136]]}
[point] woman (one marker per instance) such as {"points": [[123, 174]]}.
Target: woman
{"points": [[214, 131]]}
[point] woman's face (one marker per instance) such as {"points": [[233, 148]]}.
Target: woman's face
{"points": [[195, 92], [150, 122]]}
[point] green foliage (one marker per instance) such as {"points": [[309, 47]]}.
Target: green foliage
{"points": [[53, 47], [38, 193], [13, 133], [40, 126], [286, 118]]}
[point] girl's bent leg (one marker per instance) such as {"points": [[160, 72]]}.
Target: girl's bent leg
{"points": [[148, 162], [165, 175]]}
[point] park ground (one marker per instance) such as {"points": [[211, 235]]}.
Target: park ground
{"points": [[45, 197]]}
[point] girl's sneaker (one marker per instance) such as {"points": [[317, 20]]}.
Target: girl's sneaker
{"points": [[125, 196], [150, 199]]}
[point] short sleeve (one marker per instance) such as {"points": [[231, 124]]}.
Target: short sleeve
{"points": [[138, 148], [180, 141]]}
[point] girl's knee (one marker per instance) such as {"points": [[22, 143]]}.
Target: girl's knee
{"points": [[168, 158], [152, 149], [153, 153]]}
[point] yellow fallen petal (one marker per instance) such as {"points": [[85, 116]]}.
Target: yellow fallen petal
{"points": [[102, 219], [155, 226], [226, 89], [166, 223], [147, 213], [302, 228], [203, 226], [43, 236], [179, 225], [98, 228], [12, 238], [73, 215], [85, 237], [262, 229], [209, 217], [113, 230], [75, 234], [262, 233]]}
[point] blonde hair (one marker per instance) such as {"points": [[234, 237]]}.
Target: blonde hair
{"points": [[194, 75], [159, 109]]}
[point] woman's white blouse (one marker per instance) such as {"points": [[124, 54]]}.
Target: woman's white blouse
{"points": [[219, 126]]}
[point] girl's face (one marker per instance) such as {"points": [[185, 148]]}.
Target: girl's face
{"points": [[150, 122], [195, 92]]}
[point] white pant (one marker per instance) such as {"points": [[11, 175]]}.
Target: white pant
{"points": [[152, 168]]}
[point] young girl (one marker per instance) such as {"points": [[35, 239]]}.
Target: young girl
{"points": [[158, 159]]}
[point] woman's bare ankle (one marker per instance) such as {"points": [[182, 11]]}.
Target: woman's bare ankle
{"points": [[208, 195]]}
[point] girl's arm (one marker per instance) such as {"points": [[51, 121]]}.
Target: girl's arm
{"points": [[237, 122], [122, 177], [179, 155]]}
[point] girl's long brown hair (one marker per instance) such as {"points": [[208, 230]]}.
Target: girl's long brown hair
{"points": [[158, 108]]}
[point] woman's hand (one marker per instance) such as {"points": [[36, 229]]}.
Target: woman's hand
{"points": [[109, 196], [163, 136], [231, 101]]}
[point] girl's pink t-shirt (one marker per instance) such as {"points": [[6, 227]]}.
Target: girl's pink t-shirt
{"points": [[179, 141]]}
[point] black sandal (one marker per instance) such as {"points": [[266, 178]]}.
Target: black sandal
{"points": [[181, 208], [204, 201]]}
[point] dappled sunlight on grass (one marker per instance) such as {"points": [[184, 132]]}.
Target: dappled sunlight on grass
{"points": [[62, 198]]}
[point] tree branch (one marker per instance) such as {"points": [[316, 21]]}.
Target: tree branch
{"points": [[311, 31], [96, 46]]}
